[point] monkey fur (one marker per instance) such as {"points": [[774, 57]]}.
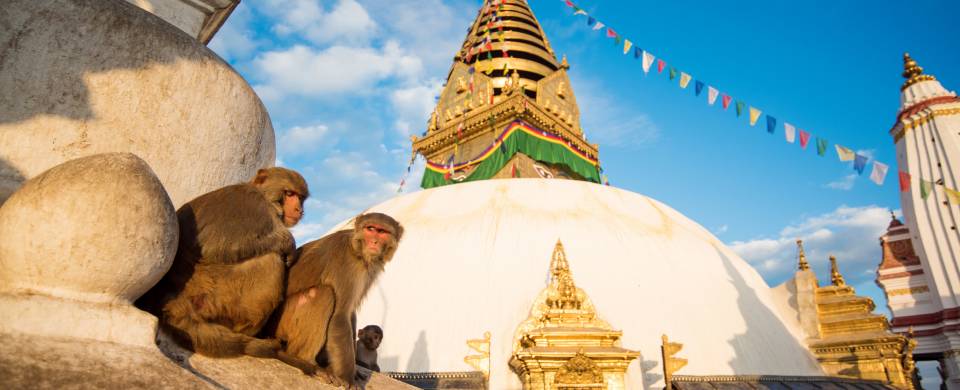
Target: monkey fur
{"points": [[326, 286], [368, 340], [228, 273]]}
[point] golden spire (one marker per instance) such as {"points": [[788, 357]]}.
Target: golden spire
{"points": [[558, 262], [913, 72], [835, 276], [802, 256]]}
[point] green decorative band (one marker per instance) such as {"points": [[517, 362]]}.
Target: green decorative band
{"points": [[518, 136]]}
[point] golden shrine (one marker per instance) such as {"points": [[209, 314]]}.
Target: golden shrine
{"points": [[564, 344], [848, 339], [507, 109]]}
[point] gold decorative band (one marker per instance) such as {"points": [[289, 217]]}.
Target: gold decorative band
{"points": [[908, 291], [925, 117]]}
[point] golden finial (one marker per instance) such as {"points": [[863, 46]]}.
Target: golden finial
{"points": [[563, 63], [802, 256], [558, 262], [913, 72], [835, 276]]}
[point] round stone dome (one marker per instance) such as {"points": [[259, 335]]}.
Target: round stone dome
{"points": [[475, 256], [107, 76]]}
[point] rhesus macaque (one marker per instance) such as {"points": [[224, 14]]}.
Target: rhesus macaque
{"points": [[368, 339], [325, 288], [228, 273]]}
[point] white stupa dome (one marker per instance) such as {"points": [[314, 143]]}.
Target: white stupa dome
{"points": [[475, 256]]}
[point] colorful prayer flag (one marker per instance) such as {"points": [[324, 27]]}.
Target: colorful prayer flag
{"points": [[611, 33], [616, 40], [684, 80], [879, 173], [925, 187], [698, 87], [637, 52], [598, 26], [804, 139], [579, 12], [771, 124], [673, 73], [789, 131], [754, 115], [712, 94], [726, 101], [845, 154], [647, 61], [953, 195], [904, 181], [626, 46], [660, 65], [821, 146], [740, 107], [590, 20], [569, 3], [859, 163]]}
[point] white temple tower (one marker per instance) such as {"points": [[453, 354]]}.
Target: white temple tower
{"points": [[927, 135]]}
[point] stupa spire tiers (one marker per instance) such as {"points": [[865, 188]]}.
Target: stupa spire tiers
{"points": [[919, 91], [507, 109], [913, 72]]}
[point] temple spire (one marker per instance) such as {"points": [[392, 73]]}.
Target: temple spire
{"points": [[913, 72], [509, 100], [835, 277], [802, 257]]}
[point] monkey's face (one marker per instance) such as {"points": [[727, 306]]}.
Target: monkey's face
{"points": [[370, 339], [292, 208], [375, 239]]}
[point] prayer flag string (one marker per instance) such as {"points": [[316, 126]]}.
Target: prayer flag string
{"points": [[791, 132]]}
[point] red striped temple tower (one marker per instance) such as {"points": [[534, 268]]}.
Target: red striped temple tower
{"points": [[920, 268]]}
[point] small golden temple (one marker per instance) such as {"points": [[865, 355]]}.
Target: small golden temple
{"points": [[564, 344]]}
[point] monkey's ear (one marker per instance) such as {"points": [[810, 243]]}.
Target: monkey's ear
{"points": [[260, 178], [399, 231], [359, 333]]}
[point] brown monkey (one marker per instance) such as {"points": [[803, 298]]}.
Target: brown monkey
{"points": [[228, 273], [325, 287], [368, 339]]}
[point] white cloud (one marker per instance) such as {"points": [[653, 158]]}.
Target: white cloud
{"points": [[235, 40], [431, 29], [347, 22], [849, 233], [303, 70], [609, 123], [844, 184], [298, 140], [412, 106]]}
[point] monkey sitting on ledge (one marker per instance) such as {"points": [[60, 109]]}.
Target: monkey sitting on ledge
{"points": [[228, 273], [325, 288], [368, 339]]}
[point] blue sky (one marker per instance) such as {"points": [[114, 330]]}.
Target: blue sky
{"points": [[347, 81]]}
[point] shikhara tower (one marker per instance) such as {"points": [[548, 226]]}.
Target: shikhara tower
{"points": [[507, 108], [920, 271]]}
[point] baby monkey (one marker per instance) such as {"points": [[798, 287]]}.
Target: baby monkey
{"points": [[368, 339]]}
